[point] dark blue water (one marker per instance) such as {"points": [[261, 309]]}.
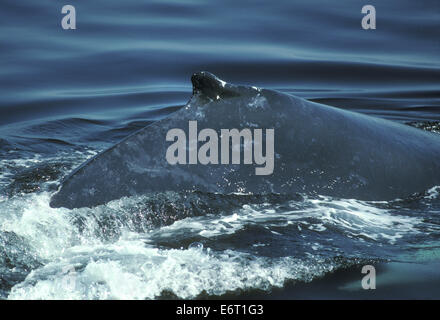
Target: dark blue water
{"points": [[66, 95]]}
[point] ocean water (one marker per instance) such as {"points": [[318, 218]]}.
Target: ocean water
{"points": [[66, 95]]}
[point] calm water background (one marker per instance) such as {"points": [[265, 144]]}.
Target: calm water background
{"points": [[67, 94]]}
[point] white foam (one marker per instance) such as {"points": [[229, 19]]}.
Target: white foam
{"points": [[47, 230], [354, 217], [433, 193], [133, 268], [145, 273], [361, 218]]}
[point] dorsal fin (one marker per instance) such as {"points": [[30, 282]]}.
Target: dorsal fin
{"points": [[207, 84]]}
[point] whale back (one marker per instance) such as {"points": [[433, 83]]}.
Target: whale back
{"points": [[317, 149]]}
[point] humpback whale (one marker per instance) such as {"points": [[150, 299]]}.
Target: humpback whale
{"points": [[318, 149]]}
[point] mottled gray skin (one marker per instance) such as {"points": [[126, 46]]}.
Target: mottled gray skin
{"points": [[318, 149]]}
